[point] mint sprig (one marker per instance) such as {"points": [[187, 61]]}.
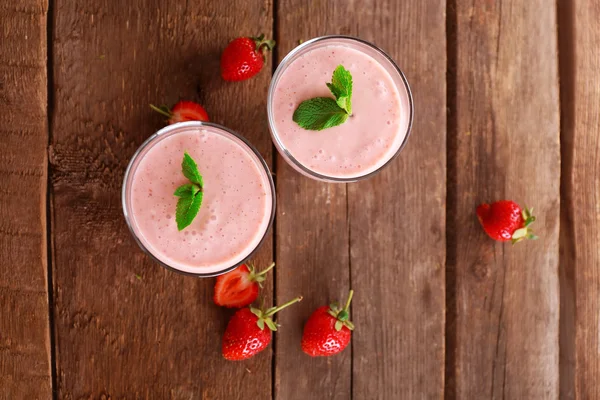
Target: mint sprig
{"points": [[341, 88], [321, 113], [190, 194]]}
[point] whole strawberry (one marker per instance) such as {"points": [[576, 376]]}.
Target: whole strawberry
{"points": [[243, 57], [249, 331], [328, 330], [239, 288], [504, 220], [182, 111]]}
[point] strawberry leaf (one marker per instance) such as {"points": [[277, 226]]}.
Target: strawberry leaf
{"points": [[272, 326], [519, 233], [256, 312], [338, 325]]}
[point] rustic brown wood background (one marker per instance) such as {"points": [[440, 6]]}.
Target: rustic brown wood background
{"points": [[507, 97]]}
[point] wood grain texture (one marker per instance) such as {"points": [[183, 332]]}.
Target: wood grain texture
{"points": [[317, 222], [312, 238], [25, 371], [157, 336], [567, 346], [507, 147], [397, 220], [583, 130]]}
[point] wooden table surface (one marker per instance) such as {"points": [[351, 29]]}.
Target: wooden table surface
{"points": [[507, 102]]}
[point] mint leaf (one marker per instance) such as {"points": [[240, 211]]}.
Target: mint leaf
{"points": [[323, 112], [341, 87], [335, 91], [187, 190], [187, 209], [319, 113], [190, 170], [345, 103], [190, 194]]}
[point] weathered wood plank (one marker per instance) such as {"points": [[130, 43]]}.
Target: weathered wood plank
{"points": [[397, 220], [567, 331], [312, 238], [581, 133], [313, 235], [25, 371], [507, 146], [156, 336]]}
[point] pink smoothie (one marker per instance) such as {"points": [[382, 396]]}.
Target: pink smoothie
{"points": [[236, 209], [380, 111]]}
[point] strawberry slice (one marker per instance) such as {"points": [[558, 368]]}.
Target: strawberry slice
{"points": [[239, 287], [182, 111]]}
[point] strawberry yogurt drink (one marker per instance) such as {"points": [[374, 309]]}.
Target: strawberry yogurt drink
{"points": [[236, 210], [371, 135]]}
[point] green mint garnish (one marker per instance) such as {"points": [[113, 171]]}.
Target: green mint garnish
{"points": [[341, 88], [324, 112], [190, 170], [319, 113], [190, 194]]}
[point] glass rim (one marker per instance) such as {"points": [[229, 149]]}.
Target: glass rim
{"points": [[195, 124], [275, 136]]}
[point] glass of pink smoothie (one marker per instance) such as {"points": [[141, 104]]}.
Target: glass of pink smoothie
{"points": [[382, 109], [237, 208]]}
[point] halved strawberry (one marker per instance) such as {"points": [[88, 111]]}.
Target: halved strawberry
{"points": [[182, 111], [239, 287]]}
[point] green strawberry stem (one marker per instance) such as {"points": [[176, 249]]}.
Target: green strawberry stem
{"points": [[281, 307], [343, 315], [261, 41], [264, 271], [161, 110], [349, 300], [259, 277]]}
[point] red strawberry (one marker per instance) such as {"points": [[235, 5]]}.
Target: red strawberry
{"points": [[183, 111], [504, 220], [246, 334], [243, 57], [328, 330], [239, 287]]}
